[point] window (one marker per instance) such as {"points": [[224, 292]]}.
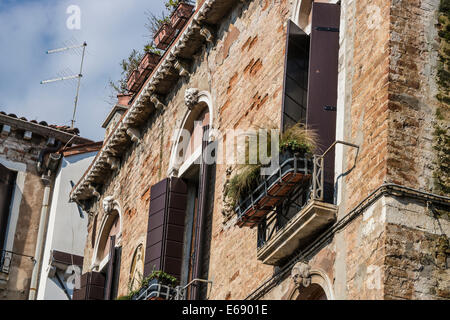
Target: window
{"points": [[311, 80], [7, 182]]}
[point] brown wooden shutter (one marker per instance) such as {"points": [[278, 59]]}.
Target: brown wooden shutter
{"points": [[323, 82], [92, 287], [111, 267], [295, 76], [165, 233], [7, 178], [203, 197]]}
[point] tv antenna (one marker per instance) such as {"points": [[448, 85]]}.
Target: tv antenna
{"points": [[77, 76]]}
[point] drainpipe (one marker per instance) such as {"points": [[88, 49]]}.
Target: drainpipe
{"points": [[40, 240], [46, 180]]}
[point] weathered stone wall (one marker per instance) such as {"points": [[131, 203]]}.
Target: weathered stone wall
{"points": [[417, 251], [412, 92], [15, 149], [244, 75]]}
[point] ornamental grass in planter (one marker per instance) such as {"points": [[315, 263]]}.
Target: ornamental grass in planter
{"points": [[295, 141]]}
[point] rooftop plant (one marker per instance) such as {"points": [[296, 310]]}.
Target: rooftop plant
{"points": [[127, 66]]}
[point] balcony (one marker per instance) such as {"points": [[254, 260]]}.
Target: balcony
{"points": [[288, 208], [156, 291], [278, 242], [293, 173], [5, 261]]}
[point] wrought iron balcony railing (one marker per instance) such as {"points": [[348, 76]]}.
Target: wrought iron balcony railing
{"points": [[300, 214], [292, 173], [5, 261], [301, 194], [156, 291]]}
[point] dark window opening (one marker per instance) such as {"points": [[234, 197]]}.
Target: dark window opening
{"points": [[296, 77], [7, 183]]}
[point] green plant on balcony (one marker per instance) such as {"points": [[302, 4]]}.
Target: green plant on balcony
{"points": [[159, 277], [162, 277], [150, 48], [171, 5], [295, 140]]}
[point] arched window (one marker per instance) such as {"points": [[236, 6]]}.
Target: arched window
{"points": [[111, 225], [313, 292], [309, 284], [187, 139]]}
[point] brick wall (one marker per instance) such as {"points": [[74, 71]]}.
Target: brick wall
{"points": [[388, 101]]}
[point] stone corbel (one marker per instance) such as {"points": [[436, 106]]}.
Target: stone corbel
{"points": [[301, 274], [134, 134], [206, 32], [113, 162], [155, 100], [191, 97], [182, 68], [93, 191]]}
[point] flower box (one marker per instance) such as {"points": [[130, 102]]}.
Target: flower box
{"points": [[133, 83], [293, 170], [181, 14], [164, 36], [147, 65]]}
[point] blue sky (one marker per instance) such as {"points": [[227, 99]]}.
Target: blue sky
{"points": [[28, 28]]}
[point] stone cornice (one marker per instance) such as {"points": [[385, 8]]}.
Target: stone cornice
{"points": [[173, 65]]}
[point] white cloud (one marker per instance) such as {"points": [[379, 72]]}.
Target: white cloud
{"points": [[112, 28]]}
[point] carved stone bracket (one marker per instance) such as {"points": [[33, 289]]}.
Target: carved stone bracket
{"points": [[113, 162], [93, 191], [301, 274], [207, 33], [182, 68], [155, 100], [191, 97], [134, 134]]}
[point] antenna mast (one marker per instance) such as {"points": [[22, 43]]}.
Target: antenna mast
{"points": [[79, 76]]}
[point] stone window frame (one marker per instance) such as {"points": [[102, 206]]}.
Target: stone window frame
{"points": [[16, 200], [318, 277], [111, 213], [201, 99]]}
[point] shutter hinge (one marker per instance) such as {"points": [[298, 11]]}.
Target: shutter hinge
{"points": [[330, 108], [327, 29]]}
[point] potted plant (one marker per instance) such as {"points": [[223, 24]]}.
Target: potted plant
{"points": [[164, 35], [128, 66], [181, 13], [133, 81], [149, 61], [158, 278], [295, 141]]}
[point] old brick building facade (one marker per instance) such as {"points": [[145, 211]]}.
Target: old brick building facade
{"points": [[29, 163], [229, 69]]}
